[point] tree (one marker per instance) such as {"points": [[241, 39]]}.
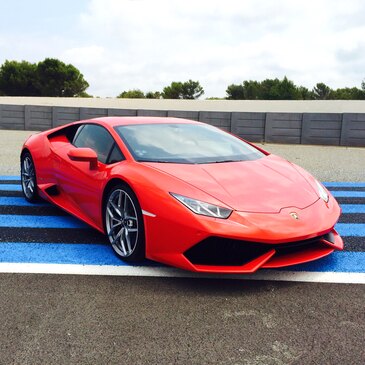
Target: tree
{"points": [[174, 91], [304, 93], [153, 95], [50, 77], [183, 90], [132, 94], [348, 94], [18, 79], [192, 90], [251, 90], [286, 90], [55, 78], [321, 91], [269, 89], [235, 92]]}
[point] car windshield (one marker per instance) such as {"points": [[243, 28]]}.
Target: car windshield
{"points": [[184, 143]]}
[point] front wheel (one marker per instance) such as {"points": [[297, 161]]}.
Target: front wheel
{"points": [[124, 223], [28, 178]]}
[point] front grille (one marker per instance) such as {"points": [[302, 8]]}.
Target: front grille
{"points": [[218, 251], [293, 247]]}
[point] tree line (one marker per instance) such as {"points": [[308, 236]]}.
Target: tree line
{"points": [[285, 89], [177, 90], [52, 77]]}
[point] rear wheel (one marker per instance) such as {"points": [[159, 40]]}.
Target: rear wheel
{"points": [[124, 223], [28, 178]]}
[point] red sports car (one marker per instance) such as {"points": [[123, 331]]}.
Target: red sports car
{"points": [[182, 193]]}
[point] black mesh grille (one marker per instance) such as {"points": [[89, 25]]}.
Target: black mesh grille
{"points": [[297, 246], [224, 252], [219, 251]]}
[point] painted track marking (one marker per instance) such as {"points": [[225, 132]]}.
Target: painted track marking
{"points": [[99, 259]]}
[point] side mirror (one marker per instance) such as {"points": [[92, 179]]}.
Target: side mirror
{"points": [[85, 155]]}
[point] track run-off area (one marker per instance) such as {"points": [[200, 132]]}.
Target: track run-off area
{"points": [[41, 238]]}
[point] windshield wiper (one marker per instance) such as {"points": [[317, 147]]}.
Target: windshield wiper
{"points": [[222, 161], [158, 161]]}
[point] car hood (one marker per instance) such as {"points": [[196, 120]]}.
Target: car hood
{"points": [[265, 185]]}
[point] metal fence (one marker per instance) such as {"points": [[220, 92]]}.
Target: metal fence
{"points": [[345, 129]]}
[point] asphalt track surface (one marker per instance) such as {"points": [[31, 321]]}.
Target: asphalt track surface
{"points": [[97, 319]]}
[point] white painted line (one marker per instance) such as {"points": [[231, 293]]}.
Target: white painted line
{"points": [[274, 275]]}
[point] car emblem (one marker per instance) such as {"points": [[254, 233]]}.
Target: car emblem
{"points": [[294, 215]]}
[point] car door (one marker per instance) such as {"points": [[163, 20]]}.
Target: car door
{"points": [[81, 184]]}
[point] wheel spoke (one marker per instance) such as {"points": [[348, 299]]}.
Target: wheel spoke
{"points": [[111, 215], [112, 229], [25, 164], [122, 243], [117, 236], [116, 209], [128, 240], [120, 199], [125, 205]]}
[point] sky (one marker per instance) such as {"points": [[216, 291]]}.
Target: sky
{"points": [[146, 44]]}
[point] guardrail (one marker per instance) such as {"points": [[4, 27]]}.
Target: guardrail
{"points": [[340, 129]]}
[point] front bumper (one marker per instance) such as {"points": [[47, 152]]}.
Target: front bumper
{"points": [[221, 255], [246, 241]]}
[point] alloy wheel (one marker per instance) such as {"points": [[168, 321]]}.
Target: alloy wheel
{"points": [[122, 223]]}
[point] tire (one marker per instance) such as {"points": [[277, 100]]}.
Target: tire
{"points": [[28, 178], [123, 223]]}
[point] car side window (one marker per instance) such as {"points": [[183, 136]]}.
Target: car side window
{"points": [[115, 155], [100, 140]]}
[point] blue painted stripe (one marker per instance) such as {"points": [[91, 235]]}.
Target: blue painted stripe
{"points": [[59, 253], [37, 221], [339, 261], [351, 229], [19, 202], [10, 187], [348, 194], [9, 177], [94, 254], [345, 184], [353, 208]]}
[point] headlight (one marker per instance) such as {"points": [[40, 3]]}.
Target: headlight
{"points": [[322, 192], [203, 208]]}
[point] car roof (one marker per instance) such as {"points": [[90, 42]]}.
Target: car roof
{"points": [[115, 121]]}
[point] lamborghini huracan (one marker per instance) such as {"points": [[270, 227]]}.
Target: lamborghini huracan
{"points": [[182, 193]]}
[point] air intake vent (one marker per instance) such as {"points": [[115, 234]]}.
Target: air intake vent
{"points": [[218, 251]]}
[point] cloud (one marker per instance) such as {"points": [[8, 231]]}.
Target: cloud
{"points": [[151, 43], [125, 44]]}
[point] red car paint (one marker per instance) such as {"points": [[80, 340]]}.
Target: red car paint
{"points": [[262, 194]]}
